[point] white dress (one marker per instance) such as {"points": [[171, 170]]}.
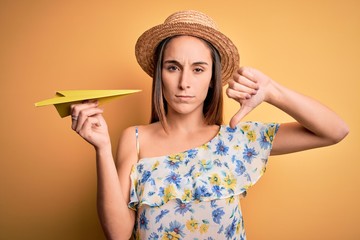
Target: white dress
{"points": [[195, 194]]}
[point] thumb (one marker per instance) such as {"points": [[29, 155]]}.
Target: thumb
{"points": [[243, 111]]}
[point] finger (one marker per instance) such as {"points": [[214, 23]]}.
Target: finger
{"points": [[248, 72], [85, 114], [244, 110], [242, 86], [245, 81], [237, 95], [75, 109], [88, 127]]}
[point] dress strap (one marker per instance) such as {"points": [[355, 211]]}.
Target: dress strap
{"points": [[137, 141]]}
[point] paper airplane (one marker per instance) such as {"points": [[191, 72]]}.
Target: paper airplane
{"points": [[63, 99]]}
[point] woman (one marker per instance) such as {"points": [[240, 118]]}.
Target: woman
{"points": [[182, 176]]}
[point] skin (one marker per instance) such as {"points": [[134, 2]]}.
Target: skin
{"points": [[186, 76]]}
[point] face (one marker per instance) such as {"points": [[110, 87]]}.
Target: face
{"points": [[186, 74]]}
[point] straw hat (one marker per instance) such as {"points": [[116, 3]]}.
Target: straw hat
{"points": [[192, 23]]}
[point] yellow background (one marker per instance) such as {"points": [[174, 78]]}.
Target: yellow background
{"points": [[47, 172]]}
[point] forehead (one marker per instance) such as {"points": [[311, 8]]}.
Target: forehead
{"points": [[187, 47]]}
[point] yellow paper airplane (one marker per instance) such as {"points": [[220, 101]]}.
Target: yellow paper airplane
{"points": [[64, 99]]}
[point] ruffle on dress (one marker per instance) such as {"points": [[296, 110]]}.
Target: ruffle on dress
{"points": [[226, 166]]}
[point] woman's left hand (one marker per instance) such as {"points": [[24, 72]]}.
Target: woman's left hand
{"points": [[249, 87]]}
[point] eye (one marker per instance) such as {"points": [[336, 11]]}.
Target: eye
{"points": [[172, 68], [198, 70]]}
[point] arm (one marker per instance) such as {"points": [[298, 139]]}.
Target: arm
{"points": [[116, 218], [315, 126]]}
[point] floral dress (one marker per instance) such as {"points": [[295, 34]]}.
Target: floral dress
{"points": [[195, 194]]}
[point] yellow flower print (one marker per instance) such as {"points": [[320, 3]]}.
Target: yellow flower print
{"points": [[236, 147], [238, 227], [204, 228], [251, 135], [246, 127], [192, 225], [270, 134], [205, 146], [205, 165], [169, 193], [171, 236], [198, 174], [187, 195], [177, 157], [215, 179], [229, 182], [156, 164], [136, 182], [262, 171], [246, 187], [230, 199]]}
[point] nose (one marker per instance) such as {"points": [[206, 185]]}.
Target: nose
{"points": [[185, 79]]}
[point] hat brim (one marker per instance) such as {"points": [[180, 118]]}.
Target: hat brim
{"points": [[149, 40]]}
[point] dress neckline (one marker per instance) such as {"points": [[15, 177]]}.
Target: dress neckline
{"points": [[185, 151]]}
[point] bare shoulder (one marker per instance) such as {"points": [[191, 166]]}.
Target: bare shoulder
{"points": [[126, 150]]}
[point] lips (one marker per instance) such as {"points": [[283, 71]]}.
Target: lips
{"points": [[184, 96]]}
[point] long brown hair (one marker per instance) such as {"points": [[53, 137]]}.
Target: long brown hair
{"points": [[213, 104]]}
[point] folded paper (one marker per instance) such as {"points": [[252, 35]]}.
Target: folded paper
{"points": [[64, 99]]}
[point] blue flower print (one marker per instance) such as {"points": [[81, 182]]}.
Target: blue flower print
{"points": [[132, 193], [217, 214], [201, 192], [249, 154], [143, 221], [217, 162], [231, 130], [140, 168], [182, 207], [160, 228], [153, 236], [161, 191], [230, 230], [174, 178], [240, 168], [221, 229], [192, 153], [213, 204], [173, 165], [189, 174], [205, 165], [221, 148], [218, 190], [263, 140], [161, 215], [175, 227], [145, 176]]}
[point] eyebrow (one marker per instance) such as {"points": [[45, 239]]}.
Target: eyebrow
{"points": [[177, 63]]}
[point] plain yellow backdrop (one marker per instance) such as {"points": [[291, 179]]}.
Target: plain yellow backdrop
{"points": [[47, 172]]}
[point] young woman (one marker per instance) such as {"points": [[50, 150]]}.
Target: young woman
{"points": [[182, 176]]}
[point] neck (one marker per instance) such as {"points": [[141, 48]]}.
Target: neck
{"points": [[185, 123]]}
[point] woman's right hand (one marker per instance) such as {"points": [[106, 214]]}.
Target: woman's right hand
{"points": [[88, 122]]}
